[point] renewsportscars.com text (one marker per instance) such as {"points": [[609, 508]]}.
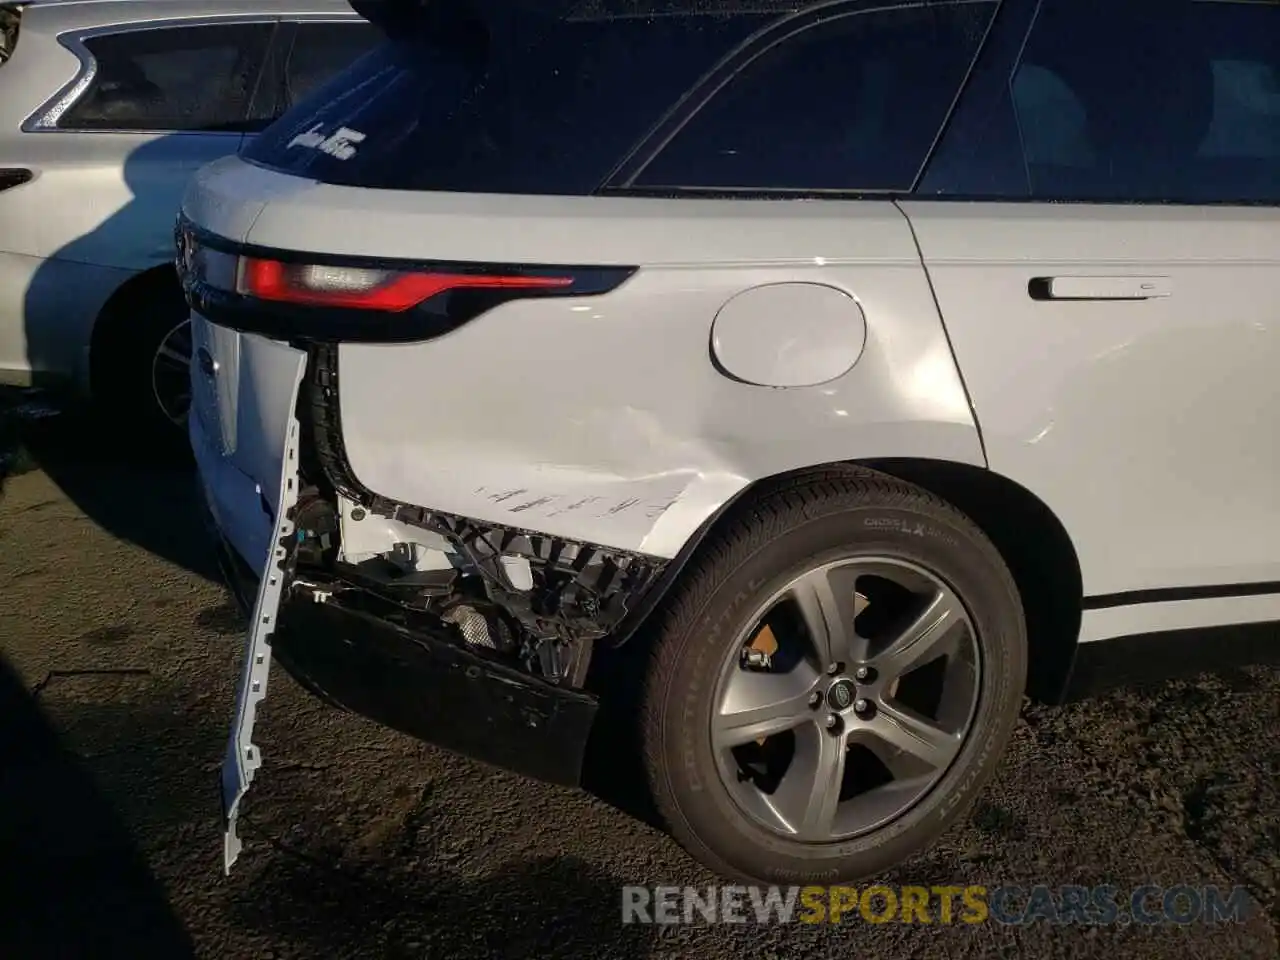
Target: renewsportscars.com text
{"points": [[1008, 905]]}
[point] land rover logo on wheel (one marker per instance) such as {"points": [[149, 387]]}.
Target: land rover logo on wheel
{"points": [[840, 695], [340, 144]]}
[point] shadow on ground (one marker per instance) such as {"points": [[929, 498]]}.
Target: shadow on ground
{"points": [[548, 907], [77, 885], [141, 495]]}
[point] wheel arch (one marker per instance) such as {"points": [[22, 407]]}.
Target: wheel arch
{"points": [[1026, 532], [1035, 545], [106, 325]]}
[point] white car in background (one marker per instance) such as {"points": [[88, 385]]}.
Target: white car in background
{"points": [[106, 109]]}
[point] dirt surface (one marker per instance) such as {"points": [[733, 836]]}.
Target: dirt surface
{"points": [[120, 654]]}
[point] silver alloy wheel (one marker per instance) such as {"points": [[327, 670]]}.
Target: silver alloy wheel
{"points": [[171, 374], [874, 706]]}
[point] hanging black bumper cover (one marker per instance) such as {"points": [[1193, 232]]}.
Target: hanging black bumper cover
{"points": [[421, 682]]}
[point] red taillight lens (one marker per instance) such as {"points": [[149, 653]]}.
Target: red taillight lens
{"points": [[246, 290], [366, 289]]}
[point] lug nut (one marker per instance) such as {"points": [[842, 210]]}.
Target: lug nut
{"points": [[815, 699], [832, 721], [835, 668], [862, 674], [862, 706]]}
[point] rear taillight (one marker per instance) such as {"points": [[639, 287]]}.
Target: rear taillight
{"points": [[366, 289], [288, 295], [359, 288]]}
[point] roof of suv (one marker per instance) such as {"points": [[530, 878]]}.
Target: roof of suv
{"points": [[92, 13]]}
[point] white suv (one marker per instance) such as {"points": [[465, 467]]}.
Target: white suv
{"points": [[828, 375], [107, 107]]}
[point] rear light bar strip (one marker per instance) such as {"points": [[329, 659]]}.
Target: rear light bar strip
{"points": [[292, 295], [364, 289]]}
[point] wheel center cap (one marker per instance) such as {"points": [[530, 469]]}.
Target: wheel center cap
{"points": [[841, 694]]}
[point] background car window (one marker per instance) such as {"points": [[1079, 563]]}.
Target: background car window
{"points": [[854, 103], [171, 78], [320, 50], [1151, 100]]}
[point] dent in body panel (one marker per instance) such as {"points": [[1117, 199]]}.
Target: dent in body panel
{"points": [[607, 421]]}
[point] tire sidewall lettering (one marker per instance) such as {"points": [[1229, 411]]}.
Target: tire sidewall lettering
{"points": [[707, 814]]}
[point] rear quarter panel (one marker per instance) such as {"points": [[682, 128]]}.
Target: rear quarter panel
{"points": [[605, 419]]}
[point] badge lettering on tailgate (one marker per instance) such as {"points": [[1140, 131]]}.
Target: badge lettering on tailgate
{"points": [[341, 144]]}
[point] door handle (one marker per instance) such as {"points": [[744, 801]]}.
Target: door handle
{"points": [[1098, 288]]}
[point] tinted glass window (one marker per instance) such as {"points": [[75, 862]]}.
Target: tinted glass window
{"points": [[320, 50], [174, 78], [509, 96], [851, 104], [1151, 100]]}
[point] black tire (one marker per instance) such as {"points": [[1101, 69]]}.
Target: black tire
{"points": [[129, 334], [759, 548]]}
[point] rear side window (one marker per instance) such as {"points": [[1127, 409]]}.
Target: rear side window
{"points": [[854, 103], [1190, 114], [509, 96], [1141, 101], [171, 79]]}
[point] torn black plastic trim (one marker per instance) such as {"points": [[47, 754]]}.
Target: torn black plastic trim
{"points": [[433, 317], [356, 650], [582, 591]]}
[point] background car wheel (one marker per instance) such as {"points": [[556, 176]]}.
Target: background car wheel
{"points": [[171, 375], [140, 365], [833, 682]]}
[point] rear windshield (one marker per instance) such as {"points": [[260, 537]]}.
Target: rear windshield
{"points": [[510, 96]]}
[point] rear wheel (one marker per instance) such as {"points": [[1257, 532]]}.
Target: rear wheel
{"points": [[141, 364], [834, 682]]}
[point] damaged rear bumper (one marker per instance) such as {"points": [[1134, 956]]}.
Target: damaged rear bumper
{"points": [[429, 686], [365, 635], [341, 643]]}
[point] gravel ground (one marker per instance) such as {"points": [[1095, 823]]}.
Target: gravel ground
{"points": [[119, 658]]}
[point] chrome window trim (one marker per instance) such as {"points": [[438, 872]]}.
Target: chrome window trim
{"points": [[44, 119]]}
